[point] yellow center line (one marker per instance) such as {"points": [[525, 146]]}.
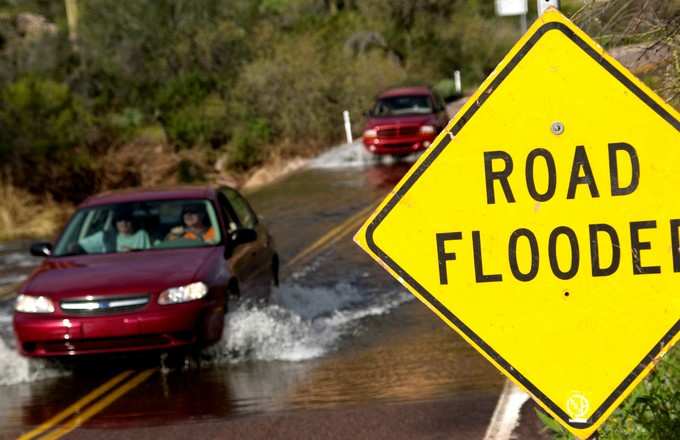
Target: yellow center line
{"points": [[80, 404], [334, 233], [330, 237], [97, 407]]}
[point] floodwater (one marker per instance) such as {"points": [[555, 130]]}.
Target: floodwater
{"points": [[339, 332]]}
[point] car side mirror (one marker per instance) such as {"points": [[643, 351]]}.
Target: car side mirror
{"points": [[237, 238], [243, 236], [41, 249]]}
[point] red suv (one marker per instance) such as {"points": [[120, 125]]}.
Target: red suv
{"points": [[404, 120]]}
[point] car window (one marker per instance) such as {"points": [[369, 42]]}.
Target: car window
{"points": [[403, 105], [244, 212], [138, 226], [227, 213]]}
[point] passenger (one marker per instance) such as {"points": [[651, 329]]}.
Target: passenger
{"points": [[126, 238], [122, 239], [195, 227]]}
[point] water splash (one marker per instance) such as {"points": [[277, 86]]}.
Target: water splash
{"points": [[354, 155], [15, 368], [19, 259], [345, 155], [304, 323], [12, 279]]}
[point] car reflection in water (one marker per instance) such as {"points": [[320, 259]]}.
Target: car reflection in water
{"points": [[146, 269], [387, 175]]}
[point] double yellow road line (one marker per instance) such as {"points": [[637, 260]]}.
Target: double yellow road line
{"points": [[84, 409], [93, 403]]}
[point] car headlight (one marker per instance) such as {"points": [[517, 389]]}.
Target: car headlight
{"points": [[190, 292], [370, 133], [33, 304], [427, 129]]}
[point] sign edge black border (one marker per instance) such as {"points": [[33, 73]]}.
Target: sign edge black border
{"points": [[637, 91]]}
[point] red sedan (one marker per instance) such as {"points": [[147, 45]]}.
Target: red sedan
{"points": [[403, 121], [147, 269]]}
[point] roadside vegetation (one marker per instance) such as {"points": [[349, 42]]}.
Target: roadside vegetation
{"points": [[174, 91]]}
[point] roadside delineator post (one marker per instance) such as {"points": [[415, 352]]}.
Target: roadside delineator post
{"points": [[457, 82], [543, 5], [514, 8], [348, 127]]}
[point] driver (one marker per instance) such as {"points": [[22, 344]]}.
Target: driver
{"points": [[195, 227]]}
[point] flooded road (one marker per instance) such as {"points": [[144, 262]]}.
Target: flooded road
{"points": [[340, 335]]}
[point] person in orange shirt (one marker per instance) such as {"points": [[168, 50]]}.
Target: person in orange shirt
{"points": [[195, 227]]}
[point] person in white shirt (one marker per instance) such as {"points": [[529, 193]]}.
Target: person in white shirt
{"points": [[123, 239]]}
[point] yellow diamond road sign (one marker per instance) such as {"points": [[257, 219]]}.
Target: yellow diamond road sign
{"points": [[544, 224]]}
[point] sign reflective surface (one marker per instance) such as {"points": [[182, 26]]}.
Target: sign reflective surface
{"points": [[543, 224]]}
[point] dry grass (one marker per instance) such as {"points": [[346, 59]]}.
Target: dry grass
{"points": [[23, 215], [273, 170]]}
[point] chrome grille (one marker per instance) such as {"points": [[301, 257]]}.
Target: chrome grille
{"points": [[409, 131], [103, 305], [388, 132]]}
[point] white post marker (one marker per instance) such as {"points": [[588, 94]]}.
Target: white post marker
{"points": [[457, 82], [513, 7], [348, 127], [542, 5], [506, 415], [71, 7]]}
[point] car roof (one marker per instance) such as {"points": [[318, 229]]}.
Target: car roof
{"points": [[406, 91], [147, 194]]}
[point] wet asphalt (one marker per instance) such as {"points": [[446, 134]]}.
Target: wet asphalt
{"points": [[393, 370]]}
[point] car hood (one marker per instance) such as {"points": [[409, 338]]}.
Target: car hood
{"points": [[400, 120], [117, 274]]}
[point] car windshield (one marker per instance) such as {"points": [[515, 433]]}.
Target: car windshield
{"points": [[138, 226], [402, 105]]}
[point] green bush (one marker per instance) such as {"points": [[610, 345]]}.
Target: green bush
{"points": [[39, 117], [43, 139], [246, 147], [189, 171], [186, 126], [446, 88], [127, 120], [190, 111]]}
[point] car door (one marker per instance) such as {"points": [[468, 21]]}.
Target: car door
{"points": [[252, 261]]}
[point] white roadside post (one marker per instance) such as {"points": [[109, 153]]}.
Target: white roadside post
{"points": [[457, 82], [71, 7], [514, 7], [542, 5], [348, 127]]}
